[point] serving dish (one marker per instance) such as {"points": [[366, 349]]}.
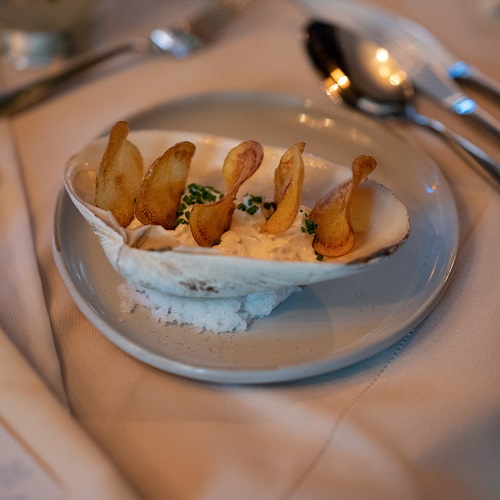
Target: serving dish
{"points": [[327, 325]]}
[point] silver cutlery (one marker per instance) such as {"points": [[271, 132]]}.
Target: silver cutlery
{"points": [[363, 75], [179, 41], [417, 56]]}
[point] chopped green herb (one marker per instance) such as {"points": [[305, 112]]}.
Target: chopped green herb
{"points": [[201, 194], [195, 194], [309, 226], [180, 221], [252, 209]]}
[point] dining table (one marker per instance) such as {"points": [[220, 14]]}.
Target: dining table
{"points": [[384, 384]]}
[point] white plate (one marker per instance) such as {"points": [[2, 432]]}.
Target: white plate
{"points": [[326, 326]]}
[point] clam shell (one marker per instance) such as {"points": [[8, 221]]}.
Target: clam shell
{"points": [[380, 222]]}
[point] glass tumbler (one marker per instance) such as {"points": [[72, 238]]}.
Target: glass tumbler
{"points": [[37, 32]]}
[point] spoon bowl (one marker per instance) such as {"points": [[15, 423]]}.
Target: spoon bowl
{"points": [[357, 72]]}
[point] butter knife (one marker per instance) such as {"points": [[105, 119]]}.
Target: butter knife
{"points": [[412, 50]]}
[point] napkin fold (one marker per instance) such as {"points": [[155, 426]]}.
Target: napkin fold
{"points": [[23, 313], [54, 446]]}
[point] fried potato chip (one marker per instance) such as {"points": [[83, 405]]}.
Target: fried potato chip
{"points": [[332, 214], [119, 175], [241, 163], [208, 222], [163, 185], [288, 182]]}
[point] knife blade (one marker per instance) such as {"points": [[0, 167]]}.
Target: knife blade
{"points": [[414, 55]]}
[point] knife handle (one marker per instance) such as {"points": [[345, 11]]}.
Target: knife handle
{"points": [[21, 98]]}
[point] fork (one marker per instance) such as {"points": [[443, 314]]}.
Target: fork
{"points": [[179, 40]]}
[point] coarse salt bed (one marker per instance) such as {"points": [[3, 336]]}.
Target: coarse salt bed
{"points": [[216, 315]]}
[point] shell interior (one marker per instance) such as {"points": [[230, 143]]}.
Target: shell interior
{"points": [[380, 222]]}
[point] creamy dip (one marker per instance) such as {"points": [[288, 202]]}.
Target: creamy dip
{"points": [[244, 238]]}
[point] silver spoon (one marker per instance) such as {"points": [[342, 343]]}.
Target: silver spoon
{"points": [[364, 76], [178, 41]]}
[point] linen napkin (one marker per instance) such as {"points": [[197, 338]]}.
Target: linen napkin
{"points": [[44, 453]]}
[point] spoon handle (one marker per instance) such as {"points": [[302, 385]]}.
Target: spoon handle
{"points": [[489, 165], [486, 120], [478, 80]]}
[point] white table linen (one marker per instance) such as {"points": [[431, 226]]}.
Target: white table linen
{"points": [[40, 425], [419, 420]]}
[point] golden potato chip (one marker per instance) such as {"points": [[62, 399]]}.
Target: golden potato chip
{"points": [[334, 235], [241, 163], [288, 182], [163, 185], [208, 222], [119, 175]]}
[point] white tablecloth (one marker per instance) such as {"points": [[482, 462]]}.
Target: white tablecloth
{"points": [[419, 420]]}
